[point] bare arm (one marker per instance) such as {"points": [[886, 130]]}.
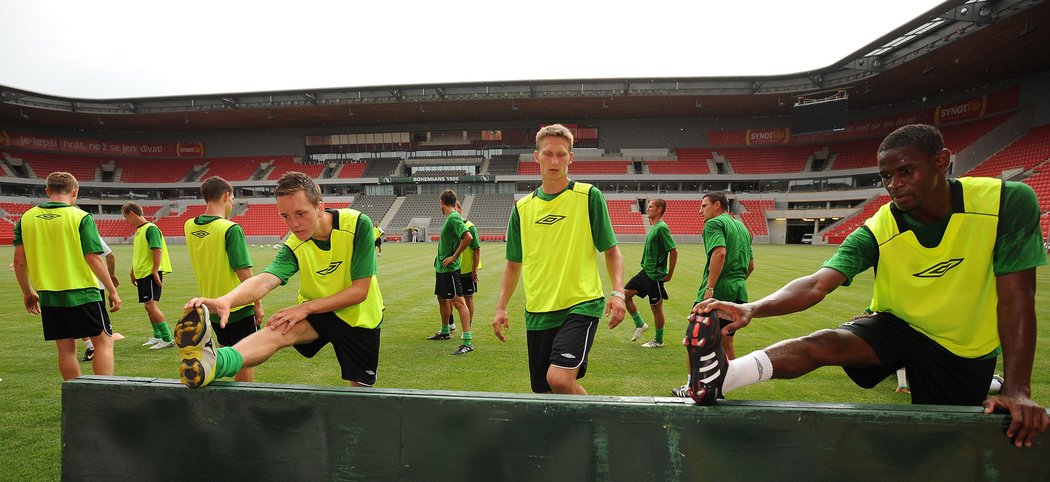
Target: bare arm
{"points": [[718, 261], [352, 295], [1017, 333], [98, 267], [507, 284], [156, 266], [111, 266], [750, 268], [798, 295], [615, 308], [477, 262], [244, 274], [29, 296], [672, 261], [248, 291]]}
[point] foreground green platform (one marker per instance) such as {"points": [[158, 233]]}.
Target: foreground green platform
{"points": [[288, 432]]}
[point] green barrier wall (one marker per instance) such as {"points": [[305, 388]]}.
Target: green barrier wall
{"points": [[288, 432]]}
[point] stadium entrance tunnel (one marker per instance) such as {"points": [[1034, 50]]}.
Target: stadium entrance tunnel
{"points": [[124, 428]]}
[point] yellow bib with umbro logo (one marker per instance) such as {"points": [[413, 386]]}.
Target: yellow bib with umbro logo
{"points": [[55, 259], [211, 264], [324, 273], [559, 260], [948, 291]]}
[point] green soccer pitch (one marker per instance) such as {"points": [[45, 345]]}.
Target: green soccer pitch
{"points": [[30, 390]]}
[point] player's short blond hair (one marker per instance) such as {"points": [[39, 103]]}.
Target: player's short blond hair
{"points": [[61, 182], [554, 130]]}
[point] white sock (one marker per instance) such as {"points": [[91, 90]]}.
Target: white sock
{"points": [[902, 378], [751, 368], [89, 344]]}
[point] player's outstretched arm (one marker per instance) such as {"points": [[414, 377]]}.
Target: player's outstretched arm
{"points": [[798, 295], [29, 295], [615, 307], [507, 284], [286, 318], [1017, 333]]}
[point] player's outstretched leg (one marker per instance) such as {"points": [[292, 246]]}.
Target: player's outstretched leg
{"points": [[196, 348], [707, 359]]}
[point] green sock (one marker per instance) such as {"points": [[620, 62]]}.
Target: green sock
{"points": [[467, 338], [227, 362], [659, 335], [156, 330], [444, 329], [165, 333], [637, 317]]}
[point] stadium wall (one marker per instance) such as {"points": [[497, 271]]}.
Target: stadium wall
{"points": [[287, 432]]}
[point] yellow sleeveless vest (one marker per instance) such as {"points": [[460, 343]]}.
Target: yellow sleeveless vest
{"points": [[211, 265], [946, 292], [325, 273], [559, 260], [144, 255], [466, 258], [51, 238]]}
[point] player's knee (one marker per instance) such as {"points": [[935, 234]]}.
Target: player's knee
{"points": [[824, 344]]}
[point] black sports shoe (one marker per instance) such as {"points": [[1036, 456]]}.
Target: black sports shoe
{"points": [[89, 354], [707, 359], [463, 349], [440, 336]]}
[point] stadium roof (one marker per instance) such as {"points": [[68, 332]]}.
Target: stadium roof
{"points": [[953, 47]]}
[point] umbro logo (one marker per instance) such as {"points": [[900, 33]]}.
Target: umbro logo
{"points": [[48, 216], [370, 372], [569, 356], [200, 234], [939, 269], [550, 219], [330, 269]]}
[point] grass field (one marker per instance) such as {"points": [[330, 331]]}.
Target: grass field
{"points": [[30, 411]]}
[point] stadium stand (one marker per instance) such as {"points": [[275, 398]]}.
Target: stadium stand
{"points": [[624, 220], [503, 164], [959, 136], [418, 206], [15, 209], [855, 154], [233, 168], [490, 212], [173, 225], [284, 164], [764, 160], [42, 164], [384, 166], [261, 219], [352, 170], [7, 231], [1044, 221], [1024, 153], [114, 227], [155, 170], [838, 231], [617, 167], [690, 161], [1041, 184], [754, 216], [375, 206], [683, 216]]}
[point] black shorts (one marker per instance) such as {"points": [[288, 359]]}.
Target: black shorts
{"points": [[646, 286], [448, 285], [379, 241], [935, 375], [357, 349], [86, 320], [467, 282], [149, 290], [235, 331], [566, 346]]}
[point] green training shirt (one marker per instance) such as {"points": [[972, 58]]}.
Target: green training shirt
{"points": [[724, 231], [658, 243], [451, 235]]}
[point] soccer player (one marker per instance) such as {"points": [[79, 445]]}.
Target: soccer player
{"points": [[379, 240], [58, 234], [111, 269], [220, 259], [455, 238], [552, 238], [954, 287], [333, 250], [730, 259], [150, 263], [659, 257], [469, 264]]}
